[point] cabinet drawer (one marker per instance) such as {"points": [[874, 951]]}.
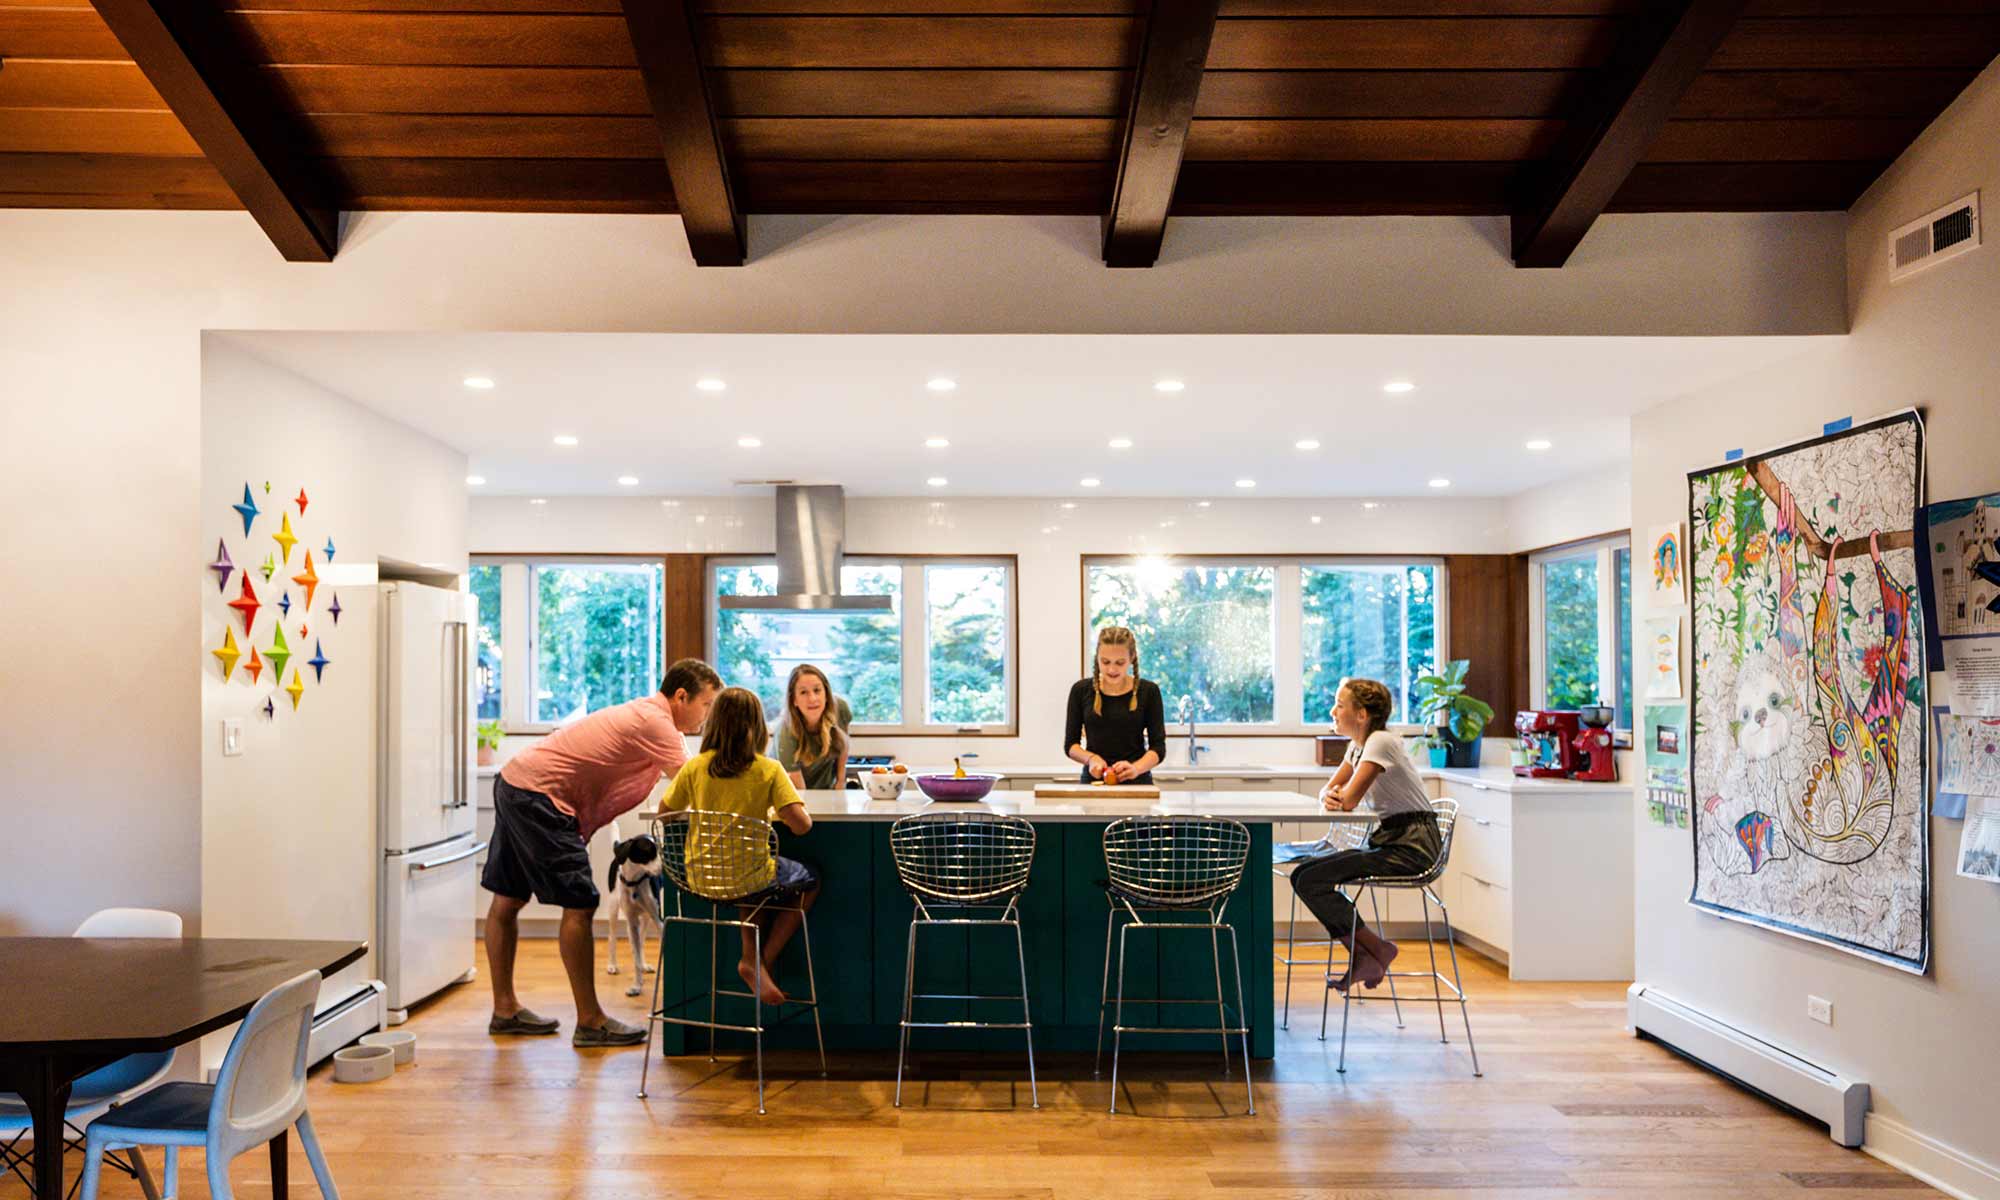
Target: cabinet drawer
{"points": [[1485, 911], [1480, 800], [1484, 849]]}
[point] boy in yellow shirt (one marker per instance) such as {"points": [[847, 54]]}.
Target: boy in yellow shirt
{"points": [[733, 778]]}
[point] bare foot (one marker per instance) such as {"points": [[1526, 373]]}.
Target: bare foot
{"points": [[1374, 965], [761, 983], [1344, 981]]}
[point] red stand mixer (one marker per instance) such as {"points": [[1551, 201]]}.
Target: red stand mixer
{"points": [[1596, 760], [1549, 735]]}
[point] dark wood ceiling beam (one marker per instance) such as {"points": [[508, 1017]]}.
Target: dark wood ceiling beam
{"points": [[663, 41], [187, 60], [1172, 55], [1653, 66]]}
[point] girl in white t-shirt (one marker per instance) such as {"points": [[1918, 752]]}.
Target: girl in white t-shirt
{"points": [[1404, 842]]}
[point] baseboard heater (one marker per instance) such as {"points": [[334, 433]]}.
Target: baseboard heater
{"points": [[362, 1010], [1752, 1062]]}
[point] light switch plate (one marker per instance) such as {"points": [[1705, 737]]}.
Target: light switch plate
{"points": [[1820, 1009], [232, 736]]}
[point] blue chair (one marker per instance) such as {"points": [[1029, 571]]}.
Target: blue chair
{"points": [[256, 1099], [96, 1093]]}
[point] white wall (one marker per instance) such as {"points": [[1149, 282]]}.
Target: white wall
{"points": [[1048, 539], [102, 312], [1568, 510], [1925, 1045], [288, 845]]}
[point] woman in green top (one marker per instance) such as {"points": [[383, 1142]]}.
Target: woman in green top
{"points": [[812, 743]]}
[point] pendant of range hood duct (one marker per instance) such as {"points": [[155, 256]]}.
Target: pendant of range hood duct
{"points": [[811, 538]]}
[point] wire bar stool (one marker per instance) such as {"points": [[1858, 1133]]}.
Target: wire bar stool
{"points": [[730, 869], [1285, 858], [1165, 865], [966, 870], [1424, 885]]}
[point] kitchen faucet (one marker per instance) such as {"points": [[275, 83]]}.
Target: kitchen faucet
{"points": [[1194, 748]]}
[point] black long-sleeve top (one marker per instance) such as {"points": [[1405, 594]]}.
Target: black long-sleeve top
{"points": [[1121, 733]]}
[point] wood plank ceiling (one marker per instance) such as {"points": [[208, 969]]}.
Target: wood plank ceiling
{"points": [[994, 106]]}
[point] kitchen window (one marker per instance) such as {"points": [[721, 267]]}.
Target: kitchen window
{"points": [[1260, 645], [1580, 606], [587, 632], [942, 659]]}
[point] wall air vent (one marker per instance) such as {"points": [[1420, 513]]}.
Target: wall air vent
{"points": [[1934, 237]]}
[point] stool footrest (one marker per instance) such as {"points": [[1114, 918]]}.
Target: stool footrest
{"points": [[944, 996], [1203, 1030], [966, 1025]]}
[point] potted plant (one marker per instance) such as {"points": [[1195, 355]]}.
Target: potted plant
{"points": [[1457, 719], [1428, 749], [489, 735]]}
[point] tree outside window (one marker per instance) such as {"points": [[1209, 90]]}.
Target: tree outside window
{"points": [[1370, 622], [1204, 631], [485, 585], [598, 629]]}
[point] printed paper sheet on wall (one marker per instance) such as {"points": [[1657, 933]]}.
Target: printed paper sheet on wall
{"points": [[1808, 692]]}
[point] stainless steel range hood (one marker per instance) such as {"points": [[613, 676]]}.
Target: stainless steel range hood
{"points": [[812, 533]]}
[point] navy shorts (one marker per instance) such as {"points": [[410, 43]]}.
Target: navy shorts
{"points": [[536, 850]]}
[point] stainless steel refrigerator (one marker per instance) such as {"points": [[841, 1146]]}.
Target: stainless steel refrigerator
{"points": [[430, 852]]}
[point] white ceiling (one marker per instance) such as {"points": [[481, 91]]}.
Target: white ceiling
{"points": [[1032, 414]]}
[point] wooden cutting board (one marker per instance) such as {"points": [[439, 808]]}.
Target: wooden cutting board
{"points": [[1091, 791]]}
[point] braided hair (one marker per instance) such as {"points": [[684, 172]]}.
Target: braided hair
{"points": [[1114, 635]]}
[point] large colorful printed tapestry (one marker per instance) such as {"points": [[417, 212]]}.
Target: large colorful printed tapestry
{"points": [[1808, 733]]}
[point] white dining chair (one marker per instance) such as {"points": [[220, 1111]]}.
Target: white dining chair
{"points": [[258, 1096], [110, 1085]]}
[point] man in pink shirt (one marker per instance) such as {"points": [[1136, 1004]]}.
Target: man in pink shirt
{"points": [[547, 801]]}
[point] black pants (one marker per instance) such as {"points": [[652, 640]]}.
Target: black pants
{"points": [[1403, 844]]}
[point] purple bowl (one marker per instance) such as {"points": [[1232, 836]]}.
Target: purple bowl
{"points": [[950, 787]]}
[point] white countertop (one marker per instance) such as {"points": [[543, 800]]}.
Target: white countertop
{"points": [[1491, 776], [1254, 807]]}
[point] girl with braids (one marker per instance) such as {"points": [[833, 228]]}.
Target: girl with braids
{"points": [[1405, 841], [1117, 723], [812, 742]]}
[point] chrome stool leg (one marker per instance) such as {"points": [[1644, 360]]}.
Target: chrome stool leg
{"points": [[1437, 980], [652, 1013], [714, 911], [1027, 1020], [1347, 997], [1375, 904], [1221, 1015], [1118, 1021], [1103, 996], [1243, 1008], [757, 1005], [812, 985], [909, 988], [1458, 985]]}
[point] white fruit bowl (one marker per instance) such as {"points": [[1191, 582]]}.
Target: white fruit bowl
{"points": [[887, 786]]}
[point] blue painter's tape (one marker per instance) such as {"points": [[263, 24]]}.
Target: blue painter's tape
{"points": [[1840, 426], [1732, 455]]}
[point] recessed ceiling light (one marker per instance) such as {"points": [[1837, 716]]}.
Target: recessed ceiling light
{"points": [[1246, 483], [1202, 503], [670, 504], [1166, 524], [1169, 385], [937, 443], [1370, 504], [1121, 443], [1397, 387], [1540, 444], [1048, 529], [749, 443], [475, 480], [711, 384], [1306, 444], [628, 481], [538, 500], [1440, 483], [937, 481], [701, 518], [478, 383], [941, 383], [1089, 481], [1069, 504], [565, 439], [1315, 519]]}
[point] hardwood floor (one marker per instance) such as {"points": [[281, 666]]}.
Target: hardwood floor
{"points": [[1570, 1105]]}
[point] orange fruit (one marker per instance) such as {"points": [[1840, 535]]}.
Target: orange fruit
{"points": [[902, 769], [879, 771]]}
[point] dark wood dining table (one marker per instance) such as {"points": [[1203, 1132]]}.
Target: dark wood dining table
{"points": [[71, 1005]]}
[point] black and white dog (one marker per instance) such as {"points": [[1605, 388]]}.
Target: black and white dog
{"points": [[634, 884]]}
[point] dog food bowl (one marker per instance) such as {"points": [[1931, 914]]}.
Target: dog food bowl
{"points": [[953, 787], [887, 786], [364, 1064], [402, 1041]]}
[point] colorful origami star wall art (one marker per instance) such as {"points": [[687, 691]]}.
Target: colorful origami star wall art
{"points": [[221, 566], [285, 603], [269, 568], [334, 608], [227, 653], [246, 604], [318, 662], [308, 579], [302, 502], [270, 709], [297, 688], [279, 654], [329, 549], [285, 539], [247, 510], [255, 666]]}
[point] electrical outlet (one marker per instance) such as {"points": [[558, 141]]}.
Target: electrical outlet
{"points": [[1820, 1009], [232, 736]]}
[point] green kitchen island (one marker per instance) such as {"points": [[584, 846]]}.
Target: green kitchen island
{"points": [[860, 931]]}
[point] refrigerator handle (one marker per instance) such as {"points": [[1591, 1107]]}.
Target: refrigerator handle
{"points": [[458, 684]]}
